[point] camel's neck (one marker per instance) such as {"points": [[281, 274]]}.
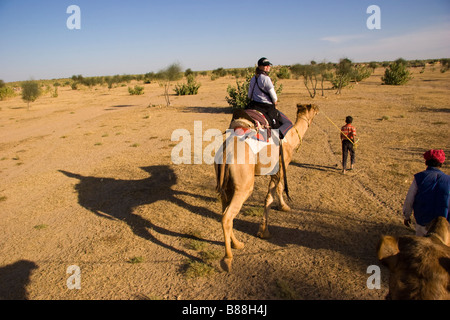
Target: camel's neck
{"points": [[301, 125]]}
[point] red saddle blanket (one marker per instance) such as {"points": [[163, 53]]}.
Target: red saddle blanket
{"points": [[258, 119]]}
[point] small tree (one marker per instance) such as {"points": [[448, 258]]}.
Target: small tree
{"points": [[344, 71], [30, 91], [171, 73], [312, 74], [325, 74], [361, 72], [397, 73]]}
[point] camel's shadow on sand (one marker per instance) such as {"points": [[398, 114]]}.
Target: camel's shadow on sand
{"points": [[116, 199]]}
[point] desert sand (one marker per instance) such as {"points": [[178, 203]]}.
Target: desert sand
{"points": [[87, 179]]}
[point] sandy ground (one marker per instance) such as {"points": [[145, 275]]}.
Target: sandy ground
{"points": [[87, 180]]}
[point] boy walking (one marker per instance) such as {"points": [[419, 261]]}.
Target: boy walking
{"points": [[348, 134]]}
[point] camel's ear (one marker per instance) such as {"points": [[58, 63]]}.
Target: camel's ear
{"points": [[387, 250], [440, 227]]}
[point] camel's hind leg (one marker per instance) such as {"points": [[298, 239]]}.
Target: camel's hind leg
{"points": [[235, 243], [263, 231], [227, 225]]}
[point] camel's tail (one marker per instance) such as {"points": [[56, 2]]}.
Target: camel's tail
{"points": [[221, 179]]}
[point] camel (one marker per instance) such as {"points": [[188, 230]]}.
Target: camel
{"points": [[235, 181], [419, 266]]}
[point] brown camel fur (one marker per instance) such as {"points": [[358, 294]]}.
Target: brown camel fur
{"points": [[419, 266], [235, 181]]}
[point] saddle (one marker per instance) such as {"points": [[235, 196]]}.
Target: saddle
{"points": [[245, 120]]}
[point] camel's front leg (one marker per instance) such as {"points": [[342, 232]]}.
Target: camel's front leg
{"points": [[283, 204]]}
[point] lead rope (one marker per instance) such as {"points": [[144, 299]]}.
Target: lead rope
{"points": [[353, 143]]}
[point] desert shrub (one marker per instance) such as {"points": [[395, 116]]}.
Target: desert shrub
{"points": [[30, 91], [238, 72], [238, 96], [6, 92], [373, 65], [361, 72], [284, 73], [397, 73], [78, 78], [416, 64], [137, 90], [55, 92], [445, 65], [219, 72], [343, 74], [191, 88], [188, 72]]}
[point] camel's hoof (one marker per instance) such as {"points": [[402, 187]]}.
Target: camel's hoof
{"points": [[225, 263], [285, 208], [237, 245], [264, 234]]}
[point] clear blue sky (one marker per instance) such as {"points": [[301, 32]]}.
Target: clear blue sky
{"points": [[136, 36]]}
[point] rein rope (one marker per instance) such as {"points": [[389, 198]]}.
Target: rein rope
{"points": [[353, 143], [298, 133]]}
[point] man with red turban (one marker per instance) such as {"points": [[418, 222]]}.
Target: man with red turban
{"points": [[429, 194]]}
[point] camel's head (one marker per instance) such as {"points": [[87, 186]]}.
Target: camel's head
{"points": [[307, 110], [419, 266]]}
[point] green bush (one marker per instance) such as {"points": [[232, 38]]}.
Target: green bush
{"points": [[361, 72], [138, 90], [343, 74], [445, 65], [30, 91], [284, 73], [191, 88], [397, 73], [6, 92], [219, 72]]}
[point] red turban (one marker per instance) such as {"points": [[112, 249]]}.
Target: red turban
{"points": [[438, 155]]}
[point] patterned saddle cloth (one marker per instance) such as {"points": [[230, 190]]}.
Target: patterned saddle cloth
{"points": [[248, 117]]}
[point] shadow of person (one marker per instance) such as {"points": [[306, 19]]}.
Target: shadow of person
{"points": [[116, 200], [14, 279]]}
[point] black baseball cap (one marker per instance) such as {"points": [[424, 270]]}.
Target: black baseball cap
{"points": [[264, 62]]}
